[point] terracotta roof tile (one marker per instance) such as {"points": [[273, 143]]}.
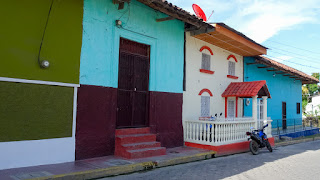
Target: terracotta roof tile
{"points": [[306, 79], [244, 89]]}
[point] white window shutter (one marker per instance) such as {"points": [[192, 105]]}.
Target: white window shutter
{"points": [[231, 109], [205, 63], [205, 106], [231, 68], [260, 109]]}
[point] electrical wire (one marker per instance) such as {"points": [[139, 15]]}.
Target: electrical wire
{"points": [[296, 57], [293, 47], [44, 32], [128, 8], [293, 62], [309, 57]]}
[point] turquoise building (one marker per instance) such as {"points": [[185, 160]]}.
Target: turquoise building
{"points": [[284, 84], [131, 76]]}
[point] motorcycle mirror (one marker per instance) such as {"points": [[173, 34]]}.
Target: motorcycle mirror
{"points": [[265, 122]]}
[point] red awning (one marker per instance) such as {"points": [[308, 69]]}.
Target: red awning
{"points": [[247, 89]]}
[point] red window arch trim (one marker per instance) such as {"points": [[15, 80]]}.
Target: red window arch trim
{"points": [[205, 90], [207, 48], [232, 56]]}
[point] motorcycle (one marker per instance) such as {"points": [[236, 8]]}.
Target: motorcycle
{"points": [[258, 140]]}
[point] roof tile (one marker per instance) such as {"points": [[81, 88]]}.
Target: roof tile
{"points": [[243, 89]]}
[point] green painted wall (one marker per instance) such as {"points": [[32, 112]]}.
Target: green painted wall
{"points": [[22, 26], [31, 111]]}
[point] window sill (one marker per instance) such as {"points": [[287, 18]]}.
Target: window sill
{"points": [[232, 77], [206, 71]]}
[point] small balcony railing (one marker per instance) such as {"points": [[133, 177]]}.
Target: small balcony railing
{"points": [[220, 131]]}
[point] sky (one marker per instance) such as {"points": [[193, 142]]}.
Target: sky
{"points": [[289, 28]]}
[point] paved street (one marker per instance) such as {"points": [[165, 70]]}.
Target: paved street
{"points": [[300, 161]]}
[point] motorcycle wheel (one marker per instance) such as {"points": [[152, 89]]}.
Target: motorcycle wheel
{"points": [[269, 146], [254, 147]]}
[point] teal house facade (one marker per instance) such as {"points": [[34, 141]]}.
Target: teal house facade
{"points": [[284, 84], [131, 77]]}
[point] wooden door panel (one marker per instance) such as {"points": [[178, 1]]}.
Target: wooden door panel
{"points": [[141, 73], [126, 63], [124, 109], [140, 108]]}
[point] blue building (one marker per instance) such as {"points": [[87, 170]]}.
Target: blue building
{"points": [[284, 83], [131, 77]]}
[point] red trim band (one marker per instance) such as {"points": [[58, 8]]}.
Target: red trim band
{"points": [[225, 107], [232, 77], [232, 56], [205, 90], [206, 47], [237, 106], [206, 71]]}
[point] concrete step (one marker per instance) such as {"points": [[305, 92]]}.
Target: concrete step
{"points": [[145, 152], [135, 138], [142, 145], [129, 131]]}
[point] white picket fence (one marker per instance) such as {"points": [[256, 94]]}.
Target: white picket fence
{"points": [[219, 132]]}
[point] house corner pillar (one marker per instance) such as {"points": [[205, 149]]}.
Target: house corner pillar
{"points": [[254, 111], [265, 107]]}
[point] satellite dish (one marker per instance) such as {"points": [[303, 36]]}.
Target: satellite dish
{"points": [[199, 12]]}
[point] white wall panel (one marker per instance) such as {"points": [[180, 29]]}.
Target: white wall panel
{"points": [[216, 83], [36, 152]]}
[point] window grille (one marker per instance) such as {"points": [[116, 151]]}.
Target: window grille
{"points": [[205, 106], [205, 64], [260, 109], [231, 108], [231, 68]]}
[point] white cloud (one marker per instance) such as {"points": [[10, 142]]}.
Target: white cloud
{"points": [[282, 58], [261, 20], [258, 19]]}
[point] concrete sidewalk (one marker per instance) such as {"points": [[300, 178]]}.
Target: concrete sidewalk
{"points": [[105, 166]]}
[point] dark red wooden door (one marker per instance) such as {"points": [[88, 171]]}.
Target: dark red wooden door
{"points": [[133, 84], [284, 115]]}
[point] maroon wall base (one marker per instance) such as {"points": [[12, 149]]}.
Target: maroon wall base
{"points": [[96, 121], [166, 118]]}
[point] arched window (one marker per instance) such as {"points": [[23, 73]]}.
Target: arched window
{"points": [[205, 102], [232, 67], [206, 61]]}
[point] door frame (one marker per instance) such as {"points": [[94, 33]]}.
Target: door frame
{"points": [[132, 96]]}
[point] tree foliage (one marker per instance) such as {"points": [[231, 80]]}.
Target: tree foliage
{"points": [[309, 90], [314, 88]]}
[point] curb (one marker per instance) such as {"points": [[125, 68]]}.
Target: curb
{"points": [[125, 169], [185, 159], [296, 141]]}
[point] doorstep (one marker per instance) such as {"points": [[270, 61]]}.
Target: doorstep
{"points": [[106, 166]]}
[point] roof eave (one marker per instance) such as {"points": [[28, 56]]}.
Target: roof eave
{"points": [[302, 78], [175, 12], [228, 39]]}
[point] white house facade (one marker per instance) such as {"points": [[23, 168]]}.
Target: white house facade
{"points": [[209, 71], [214, 90]]}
